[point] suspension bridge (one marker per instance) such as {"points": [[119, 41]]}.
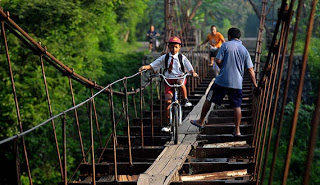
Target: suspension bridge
{"points": [[137, 152]]}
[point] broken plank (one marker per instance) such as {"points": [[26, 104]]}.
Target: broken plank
{"points": [[226, 144], [215, 176]]}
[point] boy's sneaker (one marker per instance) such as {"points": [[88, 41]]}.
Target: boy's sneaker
{"points": [[186, 103], [166, 129]]}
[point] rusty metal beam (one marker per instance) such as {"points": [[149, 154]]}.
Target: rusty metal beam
{"points": [[126, 109], [64, 145], [16, 100], [114, 132], [92, 144], [96, 119], [274, 38], [299, 93], [286, 35], [141, 112], [312, 139], [285, 94], [51, 114], [76, 118]]}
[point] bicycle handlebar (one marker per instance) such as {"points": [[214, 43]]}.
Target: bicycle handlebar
{"points": [[175, 78]]}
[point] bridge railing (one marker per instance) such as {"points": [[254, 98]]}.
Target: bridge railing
{"points": [[266, 102], [125, 102]]}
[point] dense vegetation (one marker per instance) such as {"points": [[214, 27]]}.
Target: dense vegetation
{"points": [[98, 39]]}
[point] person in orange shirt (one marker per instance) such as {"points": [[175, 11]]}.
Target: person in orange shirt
{"points": [[216, 39]]}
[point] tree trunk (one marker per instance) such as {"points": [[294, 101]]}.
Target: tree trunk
{"points": [[126, 36]]}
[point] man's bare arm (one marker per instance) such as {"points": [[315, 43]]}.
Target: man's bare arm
{"points": [[218, 61], [252, 76], [205, 41]]}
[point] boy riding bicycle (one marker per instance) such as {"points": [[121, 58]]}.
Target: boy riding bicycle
{"points": [[173, 65]]}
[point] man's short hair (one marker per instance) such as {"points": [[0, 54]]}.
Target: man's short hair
{"points": [[213, 26], [234, 33]]}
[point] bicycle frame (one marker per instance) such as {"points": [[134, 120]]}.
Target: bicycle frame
{"points": [[175, 99], [175, 102], [175, 112]]}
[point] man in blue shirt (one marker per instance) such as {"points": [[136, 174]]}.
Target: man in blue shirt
{"points": [[233, 58]]}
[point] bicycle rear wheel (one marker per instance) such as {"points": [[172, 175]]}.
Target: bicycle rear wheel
{"points": [[175, 124]]}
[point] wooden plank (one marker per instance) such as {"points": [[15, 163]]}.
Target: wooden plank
{"points": [[177, 162], [185, 155], [181, 137], [88, 179], [158, 158], [162, 166], [164, 160], [226, 144], [170, 167], [190, 139], [215, 176], [182, 149], [157, 179], [165, 168], [194, 114], [143, 179]]}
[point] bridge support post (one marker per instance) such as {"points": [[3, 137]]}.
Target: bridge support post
{"points": [[92, 143], [16, 154], [96, 119], [64, 144], [161, 102], [126, 110], [141, 111], [151, 109], [77, 120], [299, 93], [15, 98], [114, 133], [51, 115]]}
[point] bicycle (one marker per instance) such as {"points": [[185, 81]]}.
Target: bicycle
{"points": [[153, 41], [175, 110]]}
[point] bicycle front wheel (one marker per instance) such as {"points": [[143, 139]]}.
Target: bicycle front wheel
{"points": [[175, 124]]}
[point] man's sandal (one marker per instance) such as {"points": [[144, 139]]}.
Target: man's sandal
{"points": [[194, 122]]}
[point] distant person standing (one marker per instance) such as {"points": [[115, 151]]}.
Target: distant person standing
{"points": [[216, 39], [152, 35], [233, 58]]}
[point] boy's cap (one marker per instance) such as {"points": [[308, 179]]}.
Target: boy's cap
{"points": [[174, 40]]}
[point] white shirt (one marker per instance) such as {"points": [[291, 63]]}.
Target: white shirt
{"points": [[159, 63]]}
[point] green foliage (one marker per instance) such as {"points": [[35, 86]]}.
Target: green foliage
{"points": [[89, 36], [313, 59], [225, 27], [224, 14], [154, 16], [96, 39], [300, 146]]}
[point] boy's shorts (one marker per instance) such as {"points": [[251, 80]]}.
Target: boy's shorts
{"points": [[170, 90], [213, 53], [217, 93]]}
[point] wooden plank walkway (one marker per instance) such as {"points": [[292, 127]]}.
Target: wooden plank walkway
{"points": [[165, 168]]}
